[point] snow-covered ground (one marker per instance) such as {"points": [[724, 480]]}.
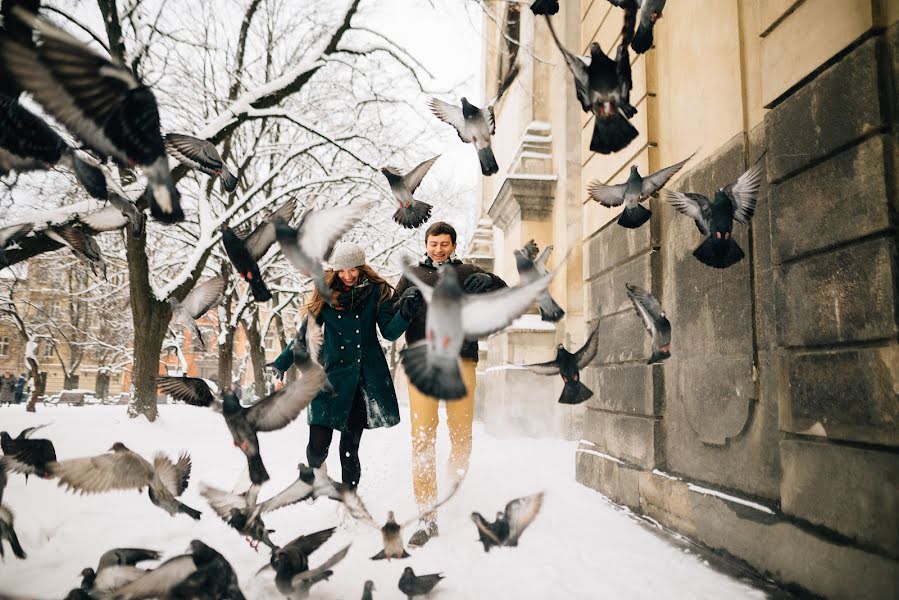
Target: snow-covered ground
{"points": [[580, 546]]}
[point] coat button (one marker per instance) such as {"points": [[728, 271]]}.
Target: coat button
{"points": [[357, 316], [338, 316], [341, 347], [358, 346], [357, 331]]}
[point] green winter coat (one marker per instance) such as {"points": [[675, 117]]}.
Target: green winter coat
{"points": [[350, 352]]}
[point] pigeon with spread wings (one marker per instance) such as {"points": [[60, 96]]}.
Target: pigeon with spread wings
{"points": [[201, 299], [313, 240], [655, 321], [715, 219], [293, 578], [475, 125], [200, 154], [27, 455], [569, 365], [99, 101], [509, 524], [432, 364], [239, 510], [632, 192], [411, 212], [530, 268], [122, 469]]}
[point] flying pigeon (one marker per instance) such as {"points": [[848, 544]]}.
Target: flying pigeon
{"points": [[17, 31], [545, 7], [655, 321], [391, 531], [432, 364], [239, 510], [135, 216], [27, 143], [530, 268], [632, 192], [8, 533], [293, 578], [200, 154], [715, 219], [117, 567], [27, 455], [310, 483], [9, 235], [201, 299], [509, 524], [192, 390], [122, 469], [81, 243], [417, 585], [411, 212], [100, 102], [475, 125], [311, 243], [650, 12], [603, 88], [367, 589], [244, 252], [569, 366]]}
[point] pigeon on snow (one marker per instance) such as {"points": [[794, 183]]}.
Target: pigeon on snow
{"points": [[509, 524], [417, 585]]}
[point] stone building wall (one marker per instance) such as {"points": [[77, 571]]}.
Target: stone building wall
{"points": [[772, 433]]}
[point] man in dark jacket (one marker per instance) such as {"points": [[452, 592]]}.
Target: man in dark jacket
{"points": [[20, 388], [440, 247]]}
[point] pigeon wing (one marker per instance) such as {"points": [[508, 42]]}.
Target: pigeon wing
{"points": [[223, 502], [587, 352], [485, 529], [607, 195], [203, 297], [543, 259], [426, 291], [743, 193], [314, 339], [545, 368], [483, 314], [320, 229], [646, 306], [527, 271], [655, 182], [520, 513], [695, 206], [452, 115], [413, 178], [319, 571], [578, 67], [192, 390], [160, 580], [283, 406], [262, 238], [174, 476], [194, 152], [297, 491], [103, 473], [13, 233], [430, 510], [307, 544], [108, 218]]}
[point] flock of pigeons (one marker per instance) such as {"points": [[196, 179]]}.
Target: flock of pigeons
{"points": [[114, 116]]}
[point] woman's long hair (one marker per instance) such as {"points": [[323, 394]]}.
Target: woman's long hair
{"points": [[317, 303]]}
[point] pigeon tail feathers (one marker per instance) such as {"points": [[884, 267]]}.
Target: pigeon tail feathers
{"points": [[488, 161], [612, 134], [575, 392], [634, 217], [719, 254], [413, 216], [436, 376]]}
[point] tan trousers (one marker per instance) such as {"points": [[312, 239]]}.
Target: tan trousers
{"points": [[459, 415]]}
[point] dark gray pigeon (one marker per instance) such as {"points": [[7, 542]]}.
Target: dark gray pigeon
{"points": [[509, 524], [367, 590], [100, 102], [293, 577], [530, 268], [81, 243], [200, 154], [201, 299], [117, 567], [411, 212], [475, 125], [9, 236], [135, 216], [569, 365], [545, 7], [417, 585], [239, 510], [650, 12], [192, 390], [157, 582], [735, 201], [313, 240], [122, 469], [603, 87], [632, 192], [27, 143], [655, 321], [432, 364], [26, 454], [213, 579], [8, 533]]}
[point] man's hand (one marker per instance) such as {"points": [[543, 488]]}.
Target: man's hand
{"points": [[478, 283], [411, 303]]}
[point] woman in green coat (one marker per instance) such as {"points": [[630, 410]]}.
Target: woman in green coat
{"points": [[363, 396]]}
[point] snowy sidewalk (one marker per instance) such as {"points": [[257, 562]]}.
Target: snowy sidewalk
{"points": [[579, 547]]}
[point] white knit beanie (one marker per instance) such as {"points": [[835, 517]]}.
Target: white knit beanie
{"points": [[346, 255]]}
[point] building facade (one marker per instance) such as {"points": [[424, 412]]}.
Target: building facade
{"points": [[771, 433]]}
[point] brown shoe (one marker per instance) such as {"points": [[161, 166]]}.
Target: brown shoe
{"points": [[426, 530]]}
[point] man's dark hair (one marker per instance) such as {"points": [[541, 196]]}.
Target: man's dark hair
{"points": [[440, 228]]}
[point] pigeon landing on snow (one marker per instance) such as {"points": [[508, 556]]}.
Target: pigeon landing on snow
{"points": [[509, 524], [530, 268], [200, 154], [715, 219], [27, 143], [603, 87], [117, 567], [100, 102], [411, 212], [650, 12], [569, 365], [655, 321], [244, 252], [417, 585], [313, 240], [632, 192], [201, 299], [474, 125], [27, 455], [122, 469], [293, 578], [432, 364]]}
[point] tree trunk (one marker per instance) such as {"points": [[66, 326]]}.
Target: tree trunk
{"points": [[226, 360], [70, 381], [257, 353], [148, 337]]}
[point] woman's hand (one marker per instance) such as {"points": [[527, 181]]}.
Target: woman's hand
{"points": [[411, 303]]}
